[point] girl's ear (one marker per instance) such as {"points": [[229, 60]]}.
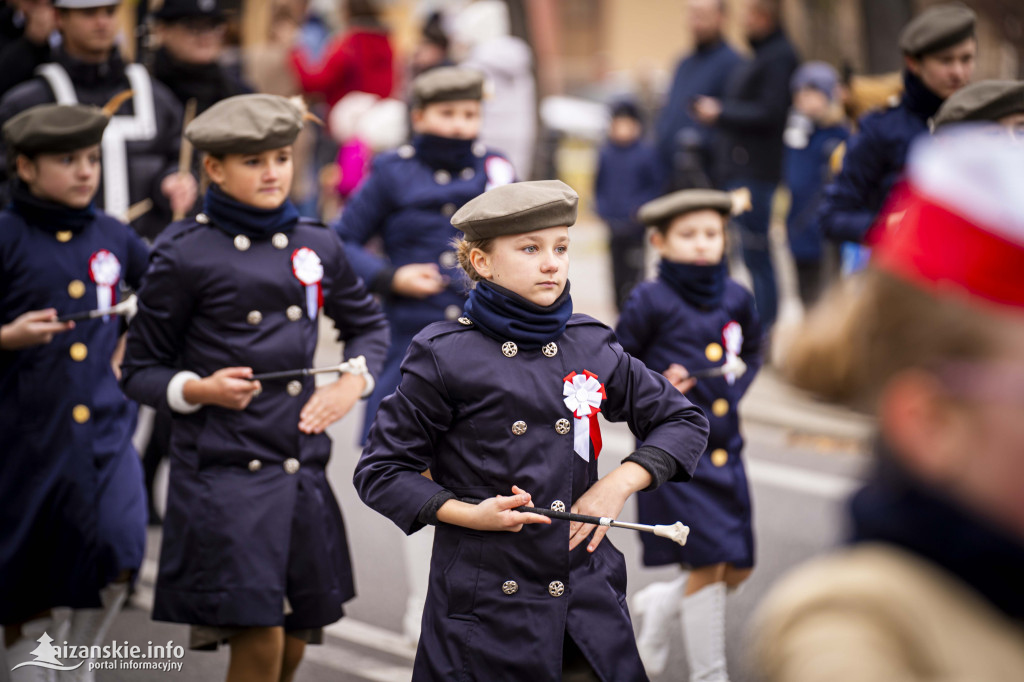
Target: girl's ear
{"points": [[214, 169], [657, 239], [481, 262], [26, 169]]}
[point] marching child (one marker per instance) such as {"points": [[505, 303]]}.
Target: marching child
{"points": [[72, 503], [694, 318], [254, 550], [501, 405]]}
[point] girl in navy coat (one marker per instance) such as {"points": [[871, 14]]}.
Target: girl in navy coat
{"points": [[254, 549], [505, 400], [72, 505], [694, 318]]}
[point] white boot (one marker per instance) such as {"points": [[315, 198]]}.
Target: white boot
{"points": [[657, 605], [21, 652], [704, 633], [418, 548], [89, 627]]}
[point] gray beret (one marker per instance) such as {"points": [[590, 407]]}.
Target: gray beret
{"points": [[84, 4], [517, 208], [982, 101], [55, 128], [937, 28], [246, 124], [447, 84], [684, 201]]}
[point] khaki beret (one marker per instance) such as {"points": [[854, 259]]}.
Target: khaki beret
{"points": [[84, 4], [246, 124], [517, 208], [937, 28], [982, 101], [55, 128], [684, 201], [447, 84]]}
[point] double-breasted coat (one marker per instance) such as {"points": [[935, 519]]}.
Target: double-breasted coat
{"points": [[660, 327], [72, 504], [483, 416], [251, 519]]}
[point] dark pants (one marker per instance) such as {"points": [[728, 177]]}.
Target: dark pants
{"points": [[157, 448], [575, 667], [756, 245], [627, 247]]}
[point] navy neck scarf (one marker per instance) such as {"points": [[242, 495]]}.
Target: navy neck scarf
{"points": [[234, 217], [47, 215], [699, 285], [897, 509], [505, 316], [444, 153], [919, 98]]}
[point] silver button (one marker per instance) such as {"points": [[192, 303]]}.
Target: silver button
{"points": [[509, 349], [465, 320], [255, 465], [448, 259], [550, 350], [448, 210], [294, 313], [467, 174], [556, 588], [479, 149], [442, 177], [510, 587], [279, 240], [242, 242], [294, 388], [452, 312], [406, 151], [202, 219], [519, 428], [254, 317], [291, 465], [558, 506], [562, 426]]}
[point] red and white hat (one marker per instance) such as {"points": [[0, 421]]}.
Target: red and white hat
{"points": [[957, 224]]}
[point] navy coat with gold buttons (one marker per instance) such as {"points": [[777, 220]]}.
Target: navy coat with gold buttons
{"points": [[251, 519], [72, 503], [484, 416]]}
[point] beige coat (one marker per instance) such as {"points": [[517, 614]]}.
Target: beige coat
{"points": [[875, 613]]}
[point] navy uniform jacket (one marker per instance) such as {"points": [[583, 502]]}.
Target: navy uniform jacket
{"points": [[499, 603], [72, 503], [660, 328], [251, 518], [807, 171]]}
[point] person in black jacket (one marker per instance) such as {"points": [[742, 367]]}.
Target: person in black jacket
{"points": [[27, 32], [752, 117]]}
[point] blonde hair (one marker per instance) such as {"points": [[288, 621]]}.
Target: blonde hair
{"points": [[462, 250], [873, 326]]}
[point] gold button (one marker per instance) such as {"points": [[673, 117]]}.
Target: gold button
{"points": [[713, 352], [80, 413], [294, 313], [550, 350], [558, 506], [562, 426], [255, 465], [509, 349], [279, 240], [76, 288], [294, 388], [254, 317], [78, 352], [510, 587], [519, 428], [719, 457], [720, 407], [64, 236], [556, 588], [242, 242], [291, 465], [465, 320]]}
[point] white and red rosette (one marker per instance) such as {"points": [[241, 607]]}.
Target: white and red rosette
{"points": [[732, 341], [500, 171], [309, 269], [583, 395], [105, 272]]}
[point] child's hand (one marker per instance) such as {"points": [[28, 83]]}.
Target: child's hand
{"points": [[33, 328], [495, 513], [418, 280], [606, 498], [680, 377], [228, 387], [330, 403]]}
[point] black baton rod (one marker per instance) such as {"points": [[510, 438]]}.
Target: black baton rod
{"points": [[543, 511]]}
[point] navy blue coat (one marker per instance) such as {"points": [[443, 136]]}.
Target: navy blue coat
{"points": [[453, 413], [660, 328], [807, 171], [72, 502], [251, 518], [408, 205], [627, 177]]}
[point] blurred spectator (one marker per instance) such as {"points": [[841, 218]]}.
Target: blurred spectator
{"points": [[752, 117], [28, 31], [432, 49], [628, 174], [816, 128], [685, 144], [482, 33]]}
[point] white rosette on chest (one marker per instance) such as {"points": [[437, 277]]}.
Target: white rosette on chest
{"points": [[583, 394], [105, 272], [308, 269]]}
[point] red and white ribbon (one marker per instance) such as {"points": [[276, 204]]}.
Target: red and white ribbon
{"points": [[732, 341], [105, 272], [583, 395], [308, 269]]}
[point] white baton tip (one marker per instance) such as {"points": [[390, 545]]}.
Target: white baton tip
{"points": [[677, 532]]}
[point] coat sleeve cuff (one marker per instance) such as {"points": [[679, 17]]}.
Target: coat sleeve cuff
{"points": [[357, 366], [428, 512], [176, 393], [658, 463]]}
